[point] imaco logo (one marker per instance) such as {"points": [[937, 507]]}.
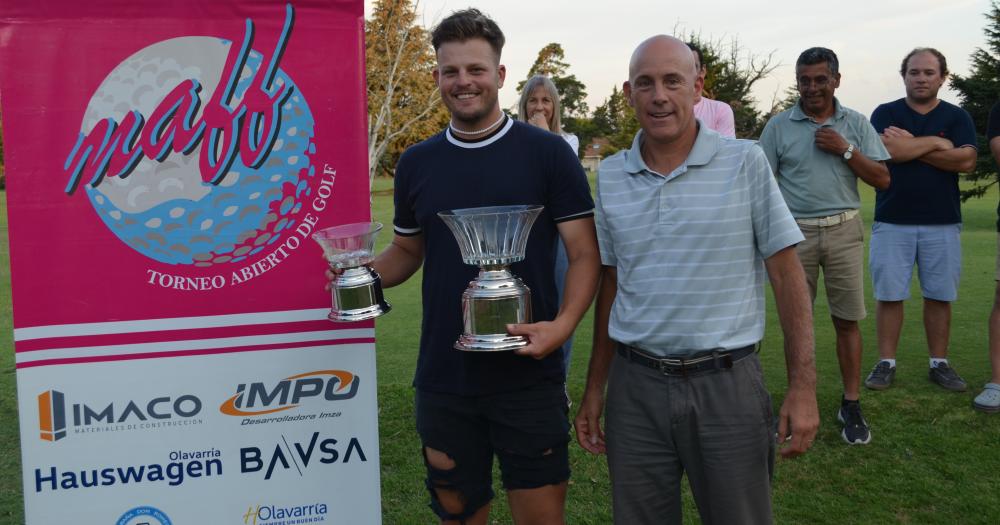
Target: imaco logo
{"points": [[197, 152], [260, 398], [56, 417], [52, 415]]}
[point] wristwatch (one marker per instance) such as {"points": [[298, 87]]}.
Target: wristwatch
{"points": [[850, 152]]}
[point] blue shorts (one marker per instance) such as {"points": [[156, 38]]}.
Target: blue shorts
{"points": [[936, 250]]}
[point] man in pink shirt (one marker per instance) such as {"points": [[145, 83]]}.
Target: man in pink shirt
{"points": [[715, 114]]}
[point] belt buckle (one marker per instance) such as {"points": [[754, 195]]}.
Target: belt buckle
{"points": [[663, 365]]}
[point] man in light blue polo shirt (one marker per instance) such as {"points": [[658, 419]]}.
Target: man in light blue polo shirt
{"points": [[687, 222], [818, 150]]}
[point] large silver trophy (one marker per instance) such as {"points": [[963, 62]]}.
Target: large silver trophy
{"points": [[493, 238], [357, 292]]}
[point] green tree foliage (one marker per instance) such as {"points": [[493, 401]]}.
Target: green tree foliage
{"points": [[551, 62], [615, 120], [978, 92], [731, 75], [403, 101]]}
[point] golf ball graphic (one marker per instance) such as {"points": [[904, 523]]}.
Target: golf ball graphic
{"points": [[165, 209]]}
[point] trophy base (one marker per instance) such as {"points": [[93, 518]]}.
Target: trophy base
{"points": [[490, 342], [357, 296], [359, 314]]}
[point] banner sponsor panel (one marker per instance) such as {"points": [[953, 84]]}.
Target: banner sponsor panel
{"points": [[166, 166]]}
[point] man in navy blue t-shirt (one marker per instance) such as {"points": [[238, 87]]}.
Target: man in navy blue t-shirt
{"points": [[917, 218], [472, 406], [989, 399]]}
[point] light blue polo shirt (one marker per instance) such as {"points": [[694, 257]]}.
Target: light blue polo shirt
{"points": [[689, 246], [816, 183]]}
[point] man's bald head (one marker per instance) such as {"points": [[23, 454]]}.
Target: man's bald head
{"points": [[662, 86], [659, 47]]}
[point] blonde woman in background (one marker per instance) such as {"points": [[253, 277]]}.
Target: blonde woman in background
{"points": [[539, 106]]}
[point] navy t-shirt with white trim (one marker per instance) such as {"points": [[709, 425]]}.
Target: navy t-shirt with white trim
{"points": [[919, 193], [519, 164]]}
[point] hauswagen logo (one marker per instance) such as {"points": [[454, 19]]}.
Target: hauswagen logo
{"points": [[57, 417], [181, 466], [197, 151], [262, 398]]}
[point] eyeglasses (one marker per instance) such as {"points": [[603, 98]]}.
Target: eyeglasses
{"points": [[819, 82]]}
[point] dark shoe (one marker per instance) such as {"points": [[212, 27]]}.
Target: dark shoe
{"points": [[881, 376], [947, 377], [856, 431]]}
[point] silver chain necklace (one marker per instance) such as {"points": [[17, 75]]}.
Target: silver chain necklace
{"points": [[451, 125]]}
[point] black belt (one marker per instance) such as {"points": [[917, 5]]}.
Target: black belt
{"points": [[681, 367]]}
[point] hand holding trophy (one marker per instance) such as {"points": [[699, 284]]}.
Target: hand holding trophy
{"points": [[357, 290]]}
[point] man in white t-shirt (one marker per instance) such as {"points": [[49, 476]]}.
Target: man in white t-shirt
{"points": [[715, 114]]}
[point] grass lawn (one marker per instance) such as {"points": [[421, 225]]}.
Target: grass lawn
{"points": [[932, 459]]}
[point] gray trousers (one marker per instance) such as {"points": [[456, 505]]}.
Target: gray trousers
{"points": [[715, 426]]}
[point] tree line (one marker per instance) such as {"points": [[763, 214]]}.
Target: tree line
{"points": [[411, 116]]}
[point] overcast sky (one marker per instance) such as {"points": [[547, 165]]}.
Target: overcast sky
{"points": [[870, 37]]}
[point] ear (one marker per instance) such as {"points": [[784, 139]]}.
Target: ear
{"points": [[501, 75], [627, 91], [699, 83], [437, 76], [836, 81]]}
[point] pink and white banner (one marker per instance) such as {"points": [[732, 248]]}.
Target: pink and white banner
{"points": [[166, 164]]}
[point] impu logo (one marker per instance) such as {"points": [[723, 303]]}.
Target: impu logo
{"points": [[260, 398], [197, 150]]}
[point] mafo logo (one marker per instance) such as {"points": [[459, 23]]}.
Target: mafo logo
{"points": [[258, 399], [144, 516], [196, 151], [56, 416]]}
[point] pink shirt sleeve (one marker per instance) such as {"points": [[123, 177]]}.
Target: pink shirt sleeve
{"points": [[716, 115]]}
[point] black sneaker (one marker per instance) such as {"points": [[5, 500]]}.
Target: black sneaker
{"points": [[856, 431], [881, 376], [947, 378]]}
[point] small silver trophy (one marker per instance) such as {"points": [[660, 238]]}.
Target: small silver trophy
{"points": [[357, 293], [493, 238]]}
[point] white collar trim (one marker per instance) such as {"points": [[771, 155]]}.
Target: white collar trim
{"points": [[481, 143]]}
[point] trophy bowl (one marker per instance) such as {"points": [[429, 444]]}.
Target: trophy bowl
{"points": [[493, 238], [357, 292]]}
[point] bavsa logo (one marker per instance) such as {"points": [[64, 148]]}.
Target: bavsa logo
{"points": [[56, 417], [259, 399], [285, 515], [300, 456], [197, 152]]}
